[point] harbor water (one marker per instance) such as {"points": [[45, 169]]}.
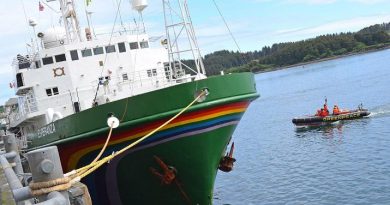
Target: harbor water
{"points": [[344, 163]]}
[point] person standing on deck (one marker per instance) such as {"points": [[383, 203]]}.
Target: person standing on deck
{"points": [[326, 107]]}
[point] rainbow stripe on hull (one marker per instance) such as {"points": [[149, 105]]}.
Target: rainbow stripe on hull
{"points": [[193, 124], [186, 125], [192, 144]]}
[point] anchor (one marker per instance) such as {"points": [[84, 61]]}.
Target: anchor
{"points": [[227, 162], [168, 176], [169, 172]]}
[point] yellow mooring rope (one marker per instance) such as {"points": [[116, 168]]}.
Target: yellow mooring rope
{"points": [[80, 173], [108, 137]]}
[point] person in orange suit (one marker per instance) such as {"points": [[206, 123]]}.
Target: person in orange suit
{"points": [[326, 106], [336, 110], [323, 113]]}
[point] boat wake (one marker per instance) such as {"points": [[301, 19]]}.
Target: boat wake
{"points": [[380, 111]]}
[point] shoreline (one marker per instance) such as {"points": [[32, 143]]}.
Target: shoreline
{"points": [[321, 60]]}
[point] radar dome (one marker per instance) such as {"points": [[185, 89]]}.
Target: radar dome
{"points": [[54, 37], [139, 5]]}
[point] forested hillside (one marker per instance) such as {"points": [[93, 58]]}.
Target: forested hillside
{"points": [[290, 53]]}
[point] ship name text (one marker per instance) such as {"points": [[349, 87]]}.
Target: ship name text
{"points": [[341, 117], [46, 130]]}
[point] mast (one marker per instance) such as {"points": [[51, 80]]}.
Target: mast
{"points": [[178, 26], [71, 22]]}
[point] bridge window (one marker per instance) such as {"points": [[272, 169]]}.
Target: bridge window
{"points": [[86, 52], [144, 44], [47, 60], [110, 49], [52, 91], [49, 92], [133, 45], [74, 55], [98, 51], [55, 90], [121, 47], [60, 58], [152, 72]]}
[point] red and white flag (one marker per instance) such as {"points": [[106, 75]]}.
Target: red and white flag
{"points": [[41, 7]]}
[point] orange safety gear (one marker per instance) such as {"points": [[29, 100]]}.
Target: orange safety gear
{"points": [[336, 110], [323, 113]]}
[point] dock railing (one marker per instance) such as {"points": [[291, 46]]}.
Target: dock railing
{"points": [[45, 166]]}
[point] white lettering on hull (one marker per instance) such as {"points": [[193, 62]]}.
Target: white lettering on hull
{"points": [[47, 130]]}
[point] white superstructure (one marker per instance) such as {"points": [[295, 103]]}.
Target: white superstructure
{"points": [[69, 72]]}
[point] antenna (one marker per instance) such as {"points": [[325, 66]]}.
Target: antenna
{"points": [[178, 26], [89, 21], [140, 5], [71, 22], [33, 23]]}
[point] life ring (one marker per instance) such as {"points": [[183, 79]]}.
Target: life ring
{"points": [[58, 71], [62, 42]]}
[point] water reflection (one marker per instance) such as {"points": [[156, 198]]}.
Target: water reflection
{"points": [[326, 130], [329, 130], [344, 163]]}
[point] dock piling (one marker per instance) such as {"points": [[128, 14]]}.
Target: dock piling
{"points": [[45, 165], [12, 150]]}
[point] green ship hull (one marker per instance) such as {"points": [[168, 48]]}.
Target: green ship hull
{"points": [[192, 145]]}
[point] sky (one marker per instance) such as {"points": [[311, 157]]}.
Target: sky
{"points": [[253, 23]]}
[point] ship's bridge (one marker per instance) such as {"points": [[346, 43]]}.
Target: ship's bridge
{"points": [[65, 77]]}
